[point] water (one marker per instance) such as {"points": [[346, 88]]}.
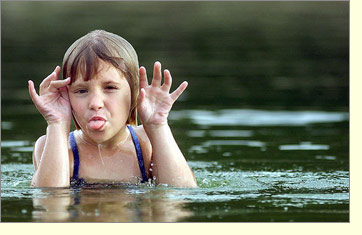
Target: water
{"points": [[264, 123], [248, 171]]}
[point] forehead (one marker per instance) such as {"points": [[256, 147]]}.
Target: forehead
{"points": [[100, 70]]}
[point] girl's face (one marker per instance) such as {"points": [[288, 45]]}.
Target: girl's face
{"points": [[102, 104]]}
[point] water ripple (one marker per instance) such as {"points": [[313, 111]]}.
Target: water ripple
{"points": [[249, 117]]}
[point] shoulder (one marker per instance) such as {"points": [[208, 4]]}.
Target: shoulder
{"points": [[145, 143]]}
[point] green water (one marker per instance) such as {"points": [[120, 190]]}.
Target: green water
{"points": [[264, 123]]}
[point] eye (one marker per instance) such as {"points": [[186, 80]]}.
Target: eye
{"points": [[109, 87], [81, 91]]}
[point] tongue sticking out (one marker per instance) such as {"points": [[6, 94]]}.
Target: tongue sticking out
{"points": [[96, 124]]}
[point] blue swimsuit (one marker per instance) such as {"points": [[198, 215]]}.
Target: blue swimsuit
{"points": [[73, 144]]}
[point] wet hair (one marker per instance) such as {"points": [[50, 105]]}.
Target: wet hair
{"points": [[83, 60]]}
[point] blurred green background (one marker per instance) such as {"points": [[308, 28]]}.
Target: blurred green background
{"points": [[274, 55]]}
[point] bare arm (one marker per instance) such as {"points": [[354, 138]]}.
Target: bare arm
{"points": [[52, 160], [50, 156], [154, 103], [169, 164]]}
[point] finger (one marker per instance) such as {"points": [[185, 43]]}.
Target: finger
{"points": [[143, 78], [141, 96], [45, 83], [64, 90], [57, 71], [178, 91], [59, 83], [168, 80], [157, 76], [32, 92], [141, 106], [53, 76]]}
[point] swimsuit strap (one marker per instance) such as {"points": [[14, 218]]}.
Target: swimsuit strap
{"points": [[73, 144], [139, 154], [74, 147]]}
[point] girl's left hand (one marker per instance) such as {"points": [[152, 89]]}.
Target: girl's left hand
{"points": [[154, 101]]}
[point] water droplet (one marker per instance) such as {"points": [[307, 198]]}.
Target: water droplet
{"points": [[24, 211], [100, 155]]}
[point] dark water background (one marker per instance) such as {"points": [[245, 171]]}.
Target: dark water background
{"points": [[264, 123]]}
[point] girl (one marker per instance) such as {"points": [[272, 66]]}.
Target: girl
{"points": [[102, 90]]}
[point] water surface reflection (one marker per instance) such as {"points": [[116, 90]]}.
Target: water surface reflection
{"points": [[250, 165], [108, 205]]}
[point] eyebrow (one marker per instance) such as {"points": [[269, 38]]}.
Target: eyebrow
{"points": [[80, 83], [110, 81]]}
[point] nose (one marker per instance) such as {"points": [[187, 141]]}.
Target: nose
{"points": [[96, 101]]}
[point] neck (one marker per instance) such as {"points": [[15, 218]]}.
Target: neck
{"points": [[113, 142]]}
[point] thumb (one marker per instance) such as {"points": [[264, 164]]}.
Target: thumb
{"points": [[141, 102], [142, 95], [32, 92]]}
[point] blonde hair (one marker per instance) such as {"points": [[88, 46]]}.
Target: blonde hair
{"points": [[83, 59]]}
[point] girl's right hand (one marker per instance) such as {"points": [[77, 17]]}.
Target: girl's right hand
{"points": [[53, 100]]}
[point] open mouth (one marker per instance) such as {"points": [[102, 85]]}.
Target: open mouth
{"points": [[97, 123]]}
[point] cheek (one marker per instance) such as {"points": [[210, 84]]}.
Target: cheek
{"points": [[123, 102], [77, 107], [75, 104], [128, 98], [125, 99]]}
